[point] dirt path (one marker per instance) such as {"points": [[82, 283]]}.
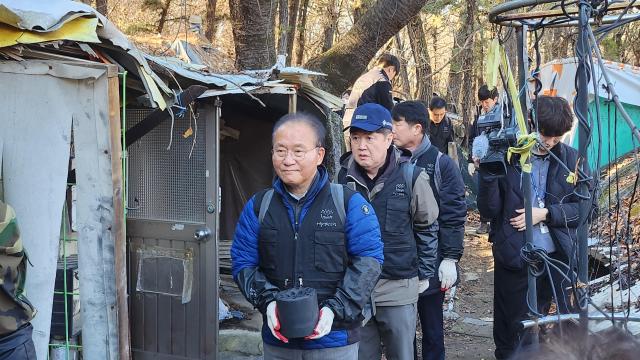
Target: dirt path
{"points": [[468, 330]]}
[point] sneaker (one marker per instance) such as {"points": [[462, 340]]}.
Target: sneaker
{"points": [[483, 228]]}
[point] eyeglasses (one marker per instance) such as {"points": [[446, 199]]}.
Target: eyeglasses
{"points": [[281, 153]]}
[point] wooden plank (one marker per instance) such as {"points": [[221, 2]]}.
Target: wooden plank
{"points": [[150, 325], [178, 318], [137, 299], [209, 249], [193, 314], [163, 274], [118, 230], [95, 222]]}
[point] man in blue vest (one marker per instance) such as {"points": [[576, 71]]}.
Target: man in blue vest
{"points": [[409, 126], [298, 232], [407, 211]]}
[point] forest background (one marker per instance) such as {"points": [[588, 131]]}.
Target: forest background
{"points": [[441, 43]]}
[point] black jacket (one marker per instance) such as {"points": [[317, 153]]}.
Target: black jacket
{"points": [[441, 134], [449, 191], [498, 199], [408, 226]]}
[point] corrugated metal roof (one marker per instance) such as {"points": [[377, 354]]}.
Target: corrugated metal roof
{"points": [[194, 72]]}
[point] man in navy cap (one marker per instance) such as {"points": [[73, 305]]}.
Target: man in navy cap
{"points": [[406, 208]]}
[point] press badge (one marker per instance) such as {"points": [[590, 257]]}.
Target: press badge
{"points": [[543, 228]]}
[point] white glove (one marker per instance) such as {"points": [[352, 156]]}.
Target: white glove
{"points": [[423, 285], [471, 168], [447, 274], [325, 320], [274, 323]]}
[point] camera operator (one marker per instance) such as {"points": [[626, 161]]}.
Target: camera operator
{"points": [[488, 100], [555, 220]]}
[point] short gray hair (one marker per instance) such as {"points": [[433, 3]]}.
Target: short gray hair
{"points": [[304, 118]]}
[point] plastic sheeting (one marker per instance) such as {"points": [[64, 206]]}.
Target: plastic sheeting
{"points": [[36, 129]]}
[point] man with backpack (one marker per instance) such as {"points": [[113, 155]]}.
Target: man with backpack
{"points": [[406, 209], [409, 125], [307, 232]]}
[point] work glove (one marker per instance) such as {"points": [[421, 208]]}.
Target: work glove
{"points": [[447, 274], [274, 323], [325, 320], [423, 285], [471, 168]]}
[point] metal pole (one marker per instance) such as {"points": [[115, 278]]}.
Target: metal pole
{"points": [[523, 70], [581, 103]]}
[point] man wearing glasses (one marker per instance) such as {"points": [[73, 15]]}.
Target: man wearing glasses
{"points": [[299, 232], [407, 211]]}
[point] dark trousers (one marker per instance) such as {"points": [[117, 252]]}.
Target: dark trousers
{"points": [[510, 305], [431, 322], [18, 345]]}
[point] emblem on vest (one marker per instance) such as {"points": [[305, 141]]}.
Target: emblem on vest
{"points": [[326, 214], [399, 190], [365, 210]]}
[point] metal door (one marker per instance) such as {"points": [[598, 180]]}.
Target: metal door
{"points": [[171, 232]]}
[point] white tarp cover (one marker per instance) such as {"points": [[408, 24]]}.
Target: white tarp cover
{"points": [[558, 77], [38, 104]]}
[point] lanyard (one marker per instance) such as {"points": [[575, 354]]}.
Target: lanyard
{"points": [[539, 194]]}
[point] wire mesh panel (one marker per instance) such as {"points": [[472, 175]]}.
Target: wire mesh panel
{"points": [[164, 182]]}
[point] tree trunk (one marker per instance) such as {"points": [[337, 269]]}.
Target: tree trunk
{"points": [[330, 28], [163, 16], [467, 66], [347, 59], [211, 19], [101, 6], [417, 40], [294, 7], [253, 33], [283, 26], [454, 83], [405, 85], [302, 39]]}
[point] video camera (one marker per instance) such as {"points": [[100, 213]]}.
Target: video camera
{"points": [[500, 134]]}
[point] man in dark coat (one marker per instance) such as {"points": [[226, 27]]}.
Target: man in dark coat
{"points": [[440, 129], [555, 215], [409, 124]]}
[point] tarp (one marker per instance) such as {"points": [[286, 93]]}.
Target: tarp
{"points": [[32, 21], [35, 176], [612, 137]]}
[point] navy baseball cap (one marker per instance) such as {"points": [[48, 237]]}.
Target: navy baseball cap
{"points": [[370, 117]]}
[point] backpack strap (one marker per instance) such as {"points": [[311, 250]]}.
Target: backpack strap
{"points": [[264, 205], [410, 172], [337, 194], [432, 167], [437, 178]]}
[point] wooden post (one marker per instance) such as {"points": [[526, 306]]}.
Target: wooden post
{"points": [[293, 103], [118, 230], [96, 219]]}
